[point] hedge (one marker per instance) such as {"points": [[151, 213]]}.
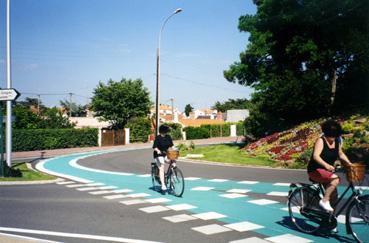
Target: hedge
{"points": [[209, 131], [39, 139], [139, 129]]}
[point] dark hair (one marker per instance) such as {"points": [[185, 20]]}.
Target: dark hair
{"points": [[331, 128], [163, 129]]}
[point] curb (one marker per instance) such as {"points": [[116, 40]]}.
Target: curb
{"points": [[21, 183]]}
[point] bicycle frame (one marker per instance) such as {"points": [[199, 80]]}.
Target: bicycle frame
{"points": [[354, 194]]}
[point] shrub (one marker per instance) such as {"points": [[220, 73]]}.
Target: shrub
{"points": [[196, 132], [175, 131], [140, 129], [39, 139]]}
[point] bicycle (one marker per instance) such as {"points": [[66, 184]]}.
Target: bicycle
{"points": [[173, 177], [308, 217]]}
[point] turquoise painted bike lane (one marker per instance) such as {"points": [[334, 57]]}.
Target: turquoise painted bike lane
{"points": [[273, 218]]}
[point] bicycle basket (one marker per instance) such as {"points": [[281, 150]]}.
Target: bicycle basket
{"points": [[355, 173], [172, 154]]}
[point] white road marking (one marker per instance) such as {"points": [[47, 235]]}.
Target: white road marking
{"points": [[133, 202], [76, 185], [233, 195], [192, 178], [263, 201], [144, 175], [243, 226], [288, 238], [202, 188], [88, 189], [122, 191], [100, 192], [119, 196], [72, 235], [154, 209], [179, 218], [138, 195], [248, 182], [278, 194], [158, 200], [238, 191], [183, 206], [208, 215], [281, 184], [65, 182], [107, 187], [218, 180], [250, 240], [211, 229], [29, 239]]}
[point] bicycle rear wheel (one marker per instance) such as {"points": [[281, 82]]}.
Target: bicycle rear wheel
{"points": [[358, 218], [176, 182], [300, 202]]}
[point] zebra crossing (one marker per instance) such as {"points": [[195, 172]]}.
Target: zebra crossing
{"points": [[181, 212]]}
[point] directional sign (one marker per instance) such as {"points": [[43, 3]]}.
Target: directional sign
{"points": [[8, 94]]}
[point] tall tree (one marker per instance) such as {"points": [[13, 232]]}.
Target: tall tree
{"points": [[118, 102], [188, 109], [305, 59], [232, 104]]}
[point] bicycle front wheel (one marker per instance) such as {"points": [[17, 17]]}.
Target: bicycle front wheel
{"points": [[176, 182], [358, 218], [300, 202], [155, 177]]}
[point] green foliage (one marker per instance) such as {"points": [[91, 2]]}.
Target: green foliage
{"points": [[121, 101], [175, 130], [232, 104], [40, 139], [295, 50], [74, 109], [49, 118], [140, 129], [188, 109], [208, 131]]}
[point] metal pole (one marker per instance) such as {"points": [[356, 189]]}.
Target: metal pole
{"points": [[9, 85], [172, 100], [158, 72], [157, 118], [70, 104], [38, 104]]}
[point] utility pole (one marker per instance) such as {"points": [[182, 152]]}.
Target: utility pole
{"points": [[70, 104], [172, 100], [38, 104]]}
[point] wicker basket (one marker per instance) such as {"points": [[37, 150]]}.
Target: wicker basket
{"points": [[172, 154], [355, 173]]}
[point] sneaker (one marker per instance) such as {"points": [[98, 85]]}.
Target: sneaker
{"points": [[334, 231], [164, 188], [326, 206]]}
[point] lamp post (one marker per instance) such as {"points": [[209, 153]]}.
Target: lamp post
{"points": [[178, 10]]}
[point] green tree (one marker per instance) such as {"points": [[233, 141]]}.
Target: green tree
{"points": [[118, 102], [188, 109], [53, 118], [305, 59], [75, 109], [25, 118], [232, 104]]}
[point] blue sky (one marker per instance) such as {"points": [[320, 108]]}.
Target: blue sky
{"points": [[63, 46]]}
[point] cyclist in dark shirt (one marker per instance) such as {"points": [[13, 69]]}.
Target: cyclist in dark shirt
{"points": [[162, 143], [327, 149]]}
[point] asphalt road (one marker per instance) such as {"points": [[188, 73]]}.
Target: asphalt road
{"points": [[60, 209]]}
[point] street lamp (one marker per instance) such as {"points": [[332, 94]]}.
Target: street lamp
{"points": [[178, 10]]}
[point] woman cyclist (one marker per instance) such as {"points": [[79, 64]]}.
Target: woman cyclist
{"points": [[327, 149], [162, 143]]}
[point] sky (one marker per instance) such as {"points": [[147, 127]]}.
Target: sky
{"points": [[68, 46]]}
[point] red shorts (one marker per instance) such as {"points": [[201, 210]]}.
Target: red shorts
{"points": [[321, 175]]}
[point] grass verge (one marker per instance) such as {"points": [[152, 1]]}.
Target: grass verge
{"points": [[233, 154], [227, 153], [28, 175]]}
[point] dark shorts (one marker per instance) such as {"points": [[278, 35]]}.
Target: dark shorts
{"points": [[321, 175]]}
